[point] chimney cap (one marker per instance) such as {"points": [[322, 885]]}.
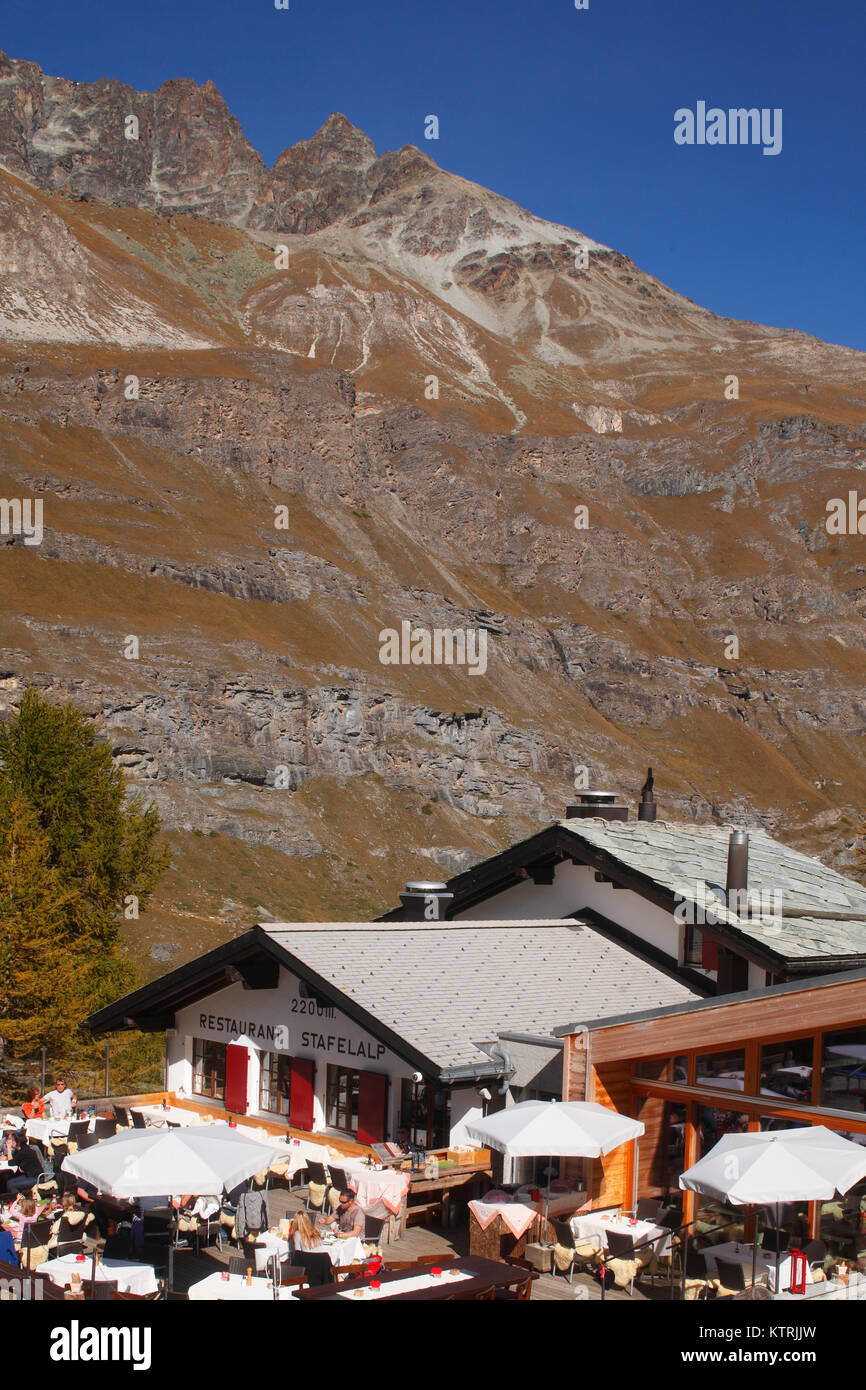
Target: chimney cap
{"points": [[421, 887], [739, 837]]}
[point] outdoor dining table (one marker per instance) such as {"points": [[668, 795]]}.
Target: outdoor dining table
{"points": [[235, 1289], [460, 1280], [130, 1276], [379, 1192], [592, 1226], [343, 1251], [765, 1263], [45, 1130], [156, 1115]]}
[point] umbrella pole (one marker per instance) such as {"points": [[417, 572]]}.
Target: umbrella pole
{"points": [[755, 1249], [778, 1251], [547, 1201]]}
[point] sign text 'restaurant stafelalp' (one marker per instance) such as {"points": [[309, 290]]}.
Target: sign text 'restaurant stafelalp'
{"points": [[268, 1032]]}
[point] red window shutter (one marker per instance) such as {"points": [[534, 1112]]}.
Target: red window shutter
{"points": [[301, 1093], [709, 953], [237, 1061], [372, 1099]]}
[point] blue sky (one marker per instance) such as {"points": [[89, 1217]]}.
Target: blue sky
{"points": [[571, 113]]}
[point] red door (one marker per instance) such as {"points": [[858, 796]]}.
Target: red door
{"points": [[301, 1093], [237, 1061], [372, 1100]]}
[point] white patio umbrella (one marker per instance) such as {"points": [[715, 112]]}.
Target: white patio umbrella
{"points": [[154, 1162], [565, 1129], [811, 1164]]}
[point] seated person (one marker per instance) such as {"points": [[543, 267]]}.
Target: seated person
{"points": [[76, 1216], [33, 1108], [29, 1163], [407, 1147], [8, 1253], [60, 1101], [195, 1209], [86, 1197], [304, 1235], [349, 1217], [23, 1212]]}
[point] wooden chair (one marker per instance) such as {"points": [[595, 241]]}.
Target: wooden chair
{"points": [[486, 1296], [100, 1290], [519, 1293], [436, 1259]]}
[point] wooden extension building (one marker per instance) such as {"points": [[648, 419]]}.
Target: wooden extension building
{"points": [[774, 1058]]}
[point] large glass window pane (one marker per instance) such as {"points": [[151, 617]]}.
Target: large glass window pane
{"points": [[723, 1070], [786, 1070], [843, 1223], [663, 1069], [843, 1071]]}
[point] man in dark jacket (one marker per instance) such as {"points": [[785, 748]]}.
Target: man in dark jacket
{"points": [[29, 1163]]}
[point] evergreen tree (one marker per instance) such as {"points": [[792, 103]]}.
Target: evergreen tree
{"points": [[41, 982], [73, 849]]}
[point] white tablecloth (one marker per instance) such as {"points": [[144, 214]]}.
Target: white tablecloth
{"points": [[130, 1277], [297, 1151], [43, 1130], [409, 1285], [379, 1193], [742, 1255], [342, 1252], [236, 1290], [155, 1115], [597, 1227]]}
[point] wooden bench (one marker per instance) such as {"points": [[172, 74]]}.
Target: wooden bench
{"points": [[425, 1209]]}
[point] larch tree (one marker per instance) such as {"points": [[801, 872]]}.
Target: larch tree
{"points": [[75, 850]]}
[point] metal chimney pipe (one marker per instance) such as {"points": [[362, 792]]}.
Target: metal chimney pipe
{"points": [[425, 902], [647, 808], [596, 804], [738, 862]]}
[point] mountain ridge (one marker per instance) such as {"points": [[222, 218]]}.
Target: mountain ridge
{"points": [[309, 387]]}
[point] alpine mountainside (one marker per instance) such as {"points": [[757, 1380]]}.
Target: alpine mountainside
{"points": [[272, 412]]}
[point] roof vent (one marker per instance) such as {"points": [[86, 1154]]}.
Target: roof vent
{"points": [[647, 808], [600, 804], [425, 902], [738, 863]]}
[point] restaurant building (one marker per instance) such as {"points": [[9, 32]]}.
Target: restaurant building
{"points": [[358, 1028], [769, 1059]]}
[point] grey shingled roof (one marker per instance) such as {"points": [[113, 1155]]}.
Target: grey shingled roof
{"points": [[446, 988], [682, 857]]}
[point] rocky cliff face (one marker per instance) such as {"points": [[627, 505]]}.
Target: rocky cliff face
{"points": [[254, 468]]}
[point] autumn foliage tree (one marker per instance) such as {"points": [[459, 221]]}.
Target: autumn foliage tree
{"points": [[75, 851]]}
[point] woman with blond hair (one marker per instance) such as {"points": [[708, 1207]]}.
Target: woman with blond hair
{"points": [[304, 1234]]}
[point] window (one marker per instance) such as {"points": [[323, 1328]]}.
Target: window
{"points": [[426, 1112], [723, 1070], [663, 1069], [694, 946], [209, 1068], [274, 1082], [786, 1070], [342, 1107], [843, 1073]]}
